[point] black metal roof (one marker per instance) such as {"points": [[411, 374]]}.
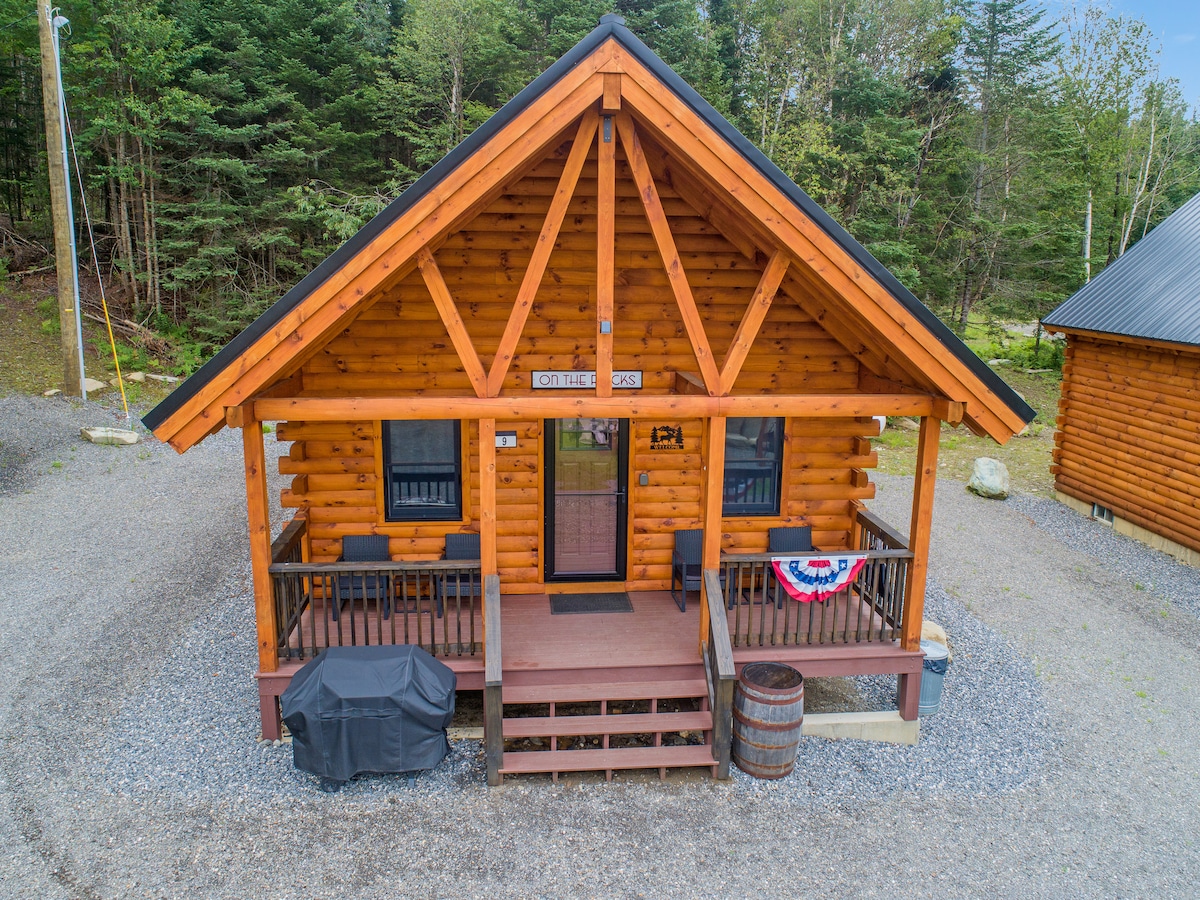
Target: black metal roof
{"points": [[1151, 291], [611, 26]]}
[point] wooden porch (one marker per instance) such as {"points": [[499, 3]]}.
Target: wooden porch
{"points": [[594, 691], [655, 634]]}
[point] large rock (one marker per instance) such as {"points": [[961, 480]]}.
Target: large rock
{"points": [[91, 385], [109, 435], [989, 479], [932, 631]]}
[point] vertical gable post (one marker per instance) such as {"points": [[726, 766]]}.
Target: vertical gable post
{"points": [[606, 221]]}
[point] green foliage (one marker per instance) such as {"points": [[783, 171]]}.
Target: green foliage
{"points": [[1026, 353], [47, 308], [230, 145], [132, 359]]}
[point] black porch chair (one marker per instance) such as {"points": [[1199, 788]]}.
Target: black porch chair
{"points": [[687, 562], [464, 548], [353, 586], [782, 541]]}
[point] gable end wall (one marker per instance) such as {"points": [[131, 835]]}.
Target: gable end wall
{"points": [[1129, 434]]}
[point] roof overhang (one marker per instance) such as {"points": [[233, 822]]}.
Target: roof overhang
{"points": [[271, 348]]}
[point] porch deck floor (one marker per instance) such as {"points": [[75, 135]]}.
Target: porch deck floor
{"points": [[656, 634]]}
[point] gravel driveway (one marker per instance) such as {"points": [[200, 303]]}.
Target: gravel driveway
{"points": [[1064, 761]]}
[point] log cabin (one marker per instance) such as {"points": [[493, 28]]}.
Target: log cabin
{"points": [[1127, 449], [590, 361]]}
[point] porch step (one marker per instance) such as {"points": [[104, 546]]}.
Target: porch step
{"points": [[619, 723], [612, 688], [606, 760], [607, 690]]}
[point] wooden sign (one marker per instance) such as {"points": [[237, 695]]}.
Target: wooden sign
{"points": [[583, 379]]}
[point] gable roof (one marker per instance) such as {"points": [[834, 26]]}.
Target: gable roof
{"points": [[256, 350], [1152, 291]]}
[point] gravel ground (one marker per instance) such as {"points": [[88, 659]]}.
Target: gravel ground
{"points": [[1063, 762]]}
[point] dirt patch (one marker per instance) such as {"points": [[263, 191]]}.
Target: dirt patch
{"points": [[32, 362]]}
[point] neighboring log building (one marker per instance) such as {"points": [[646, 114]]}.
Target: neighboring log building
{"points": [[1128, 444], [603, 322]]}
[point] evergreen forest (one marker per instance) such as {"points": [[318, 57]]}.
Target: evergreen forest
{"points": [[993, 155]]}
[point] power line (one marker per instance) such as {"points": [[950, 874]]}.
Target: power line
{"points": [[18, 21]]}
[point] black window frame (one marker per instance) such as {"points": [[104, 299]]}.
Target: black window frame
{"points": [[416, 512], [772, 474]]}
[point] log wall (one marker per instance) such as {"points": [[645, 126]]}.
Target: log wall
{"points": [[398, 345], [336, 479], [1129, 434]]}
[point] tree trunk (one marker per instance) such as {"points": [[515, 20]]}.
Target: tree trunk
{"points": [[1140, 191], [1087, 239], [124, 227]]}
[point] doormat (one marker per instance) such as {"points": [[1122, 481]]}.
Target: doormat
{"points": [[570, 604]]}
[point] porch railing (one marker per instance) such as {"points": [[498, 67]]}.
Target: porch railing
{"points": [[870, 609], [720, 672], [434, 604]]}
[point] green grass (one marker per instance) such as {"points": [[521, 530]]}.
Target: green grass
{"points": [[1027, 457], [31, 355]]}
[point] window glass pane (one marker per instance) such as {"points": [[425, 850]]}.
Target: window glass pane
{"points": [[753, 455], [424, 479]]}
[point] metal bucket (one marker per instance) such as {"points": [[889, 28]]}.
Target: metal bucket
{"points": [[768, 710], [933, 675]]}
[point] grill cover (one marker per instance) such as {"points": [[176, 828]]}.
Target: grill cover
{"points": [[369, 709]]}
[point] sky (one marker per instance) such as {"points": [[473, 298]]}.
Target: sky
{"points": [[1176, 27]]}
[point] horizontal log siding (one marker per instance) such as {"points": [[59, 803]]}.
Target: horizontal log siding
{"points": [[518, 506], [670, 501], [399, 344], [824, 486], [824, 482], [1129, 433]]}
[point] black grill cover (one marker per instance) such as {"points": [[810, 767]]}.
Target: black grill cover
{"points": [[369, 709]]}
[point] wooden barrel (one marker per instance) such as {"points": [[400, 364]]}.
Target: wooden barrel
{"points": [[768, 709]]}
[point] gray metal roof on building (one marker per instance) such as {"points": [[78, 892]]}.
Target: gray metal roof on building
{"points": [[1152, 291]]}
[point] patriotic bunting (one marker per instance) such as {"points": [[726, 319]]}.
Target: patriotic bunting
{"points": [[809, 578]]}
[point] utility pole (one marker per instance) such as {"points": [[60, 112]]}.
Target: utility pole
{"points": [[60, 203]]}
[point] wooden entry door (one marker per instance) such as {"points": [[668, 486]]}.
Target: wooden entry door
{"points": [[587, 464]]}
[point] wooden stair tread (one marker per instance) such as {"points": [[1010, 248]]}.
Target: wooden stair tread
{"points": [[618, 690], [593, 760], [617, 723]]}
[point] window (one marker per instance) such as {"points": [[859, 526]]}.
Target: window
{"points": [[422, 464], [753, 465], [1102, 514]]}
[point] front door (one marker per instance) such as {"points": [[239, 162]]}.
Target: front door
{"points": [[587, 461]]}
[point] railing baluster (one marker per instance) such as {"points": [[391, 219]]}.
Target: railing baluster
{"points": [[408, 589]]}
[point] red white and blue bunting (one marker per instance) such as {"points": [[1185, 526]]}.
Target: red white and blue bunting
{"points": [[809, 578]]}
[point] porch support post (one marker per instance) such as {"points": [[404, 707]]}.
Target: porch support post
{"points": [[918, 542], [493, 700], [487, 496], [259, 520], [714, 489]]}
